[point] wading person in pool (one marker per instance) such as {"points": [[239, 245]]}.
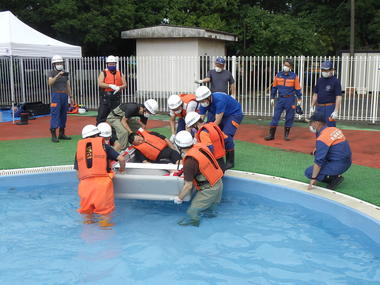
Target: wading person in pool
{"points": [[332, 156], [60, 92], [95, 187], [153, 147], [201, 170]]}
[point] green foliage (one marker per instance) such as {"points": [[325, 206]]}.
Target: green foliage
{"points": [[264, 27]]}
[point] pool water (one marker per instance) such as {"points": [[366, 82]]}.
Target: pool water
{"points": [[253, 240]]}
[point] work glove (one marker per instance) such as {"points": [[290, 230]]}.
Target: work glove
{"points": [[177, 200], [334, 115], [116, 90], [271, 102], [172, 137], [114, 87], [312, 109], [299, 102], [198, 81]]}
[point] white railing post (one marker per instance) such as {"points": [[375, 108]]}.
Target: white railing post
{"points": [[233, 71]]}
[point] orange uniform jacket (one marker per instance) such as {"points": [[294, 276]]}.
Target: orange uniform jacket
{"points": [[216, 136], [99, 158], [110, 78], [152, 146], [208, 165], [186, 98]]}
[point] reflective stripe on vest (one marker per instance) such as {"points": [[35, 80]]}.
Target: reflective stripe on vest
{"points": [[216, 137], [111, 78], [97, 153], [208, 165], [152, 146]]}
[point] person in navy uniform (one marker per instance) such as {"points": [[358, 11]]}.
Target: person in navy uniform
{"points": [[225, 112], [327, 96], [332, 156], [287, 85]]}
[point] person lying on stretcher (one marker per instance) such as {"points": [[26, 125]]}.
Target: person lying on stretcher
{"points": [[153, 147]]}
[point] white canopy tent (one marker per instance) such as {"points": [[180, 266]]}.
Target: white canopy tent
{"points": [[18, 39]]}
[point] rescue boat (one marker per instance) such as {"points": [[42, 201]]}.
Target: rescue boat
{"points": [[147, 181]]}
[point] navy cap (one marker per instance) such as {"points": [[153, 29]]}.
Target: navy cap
{"points": [[327, 65], [317, 117], [220, 60]]}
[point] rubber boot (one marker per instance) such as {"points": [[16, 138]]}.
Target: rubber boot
{"points": [[230, 159], [53, 136], [62, 135], [286, 134], [272, 132]]}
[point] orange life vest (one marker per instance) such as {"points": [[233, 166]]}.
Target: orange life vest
{"points": [[186, 99], [110, 78], [208, 165], [98, 156], [216, 136], [152, 146]]}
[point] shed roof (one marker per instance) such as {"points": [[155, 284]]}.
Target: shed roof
{"points": [[168, 31]]}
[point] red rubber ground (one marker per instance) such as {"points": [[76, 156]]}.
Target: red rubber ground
{"points": [[364, 144]]}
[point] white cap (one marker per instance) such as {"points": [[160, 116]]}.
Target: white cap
{"points": [[183, 139], [105, 130], [174, 101], [151, 105], [191, 118], [89, 131], [111, 58], [56, 58], [81, 110], [202, 93]]}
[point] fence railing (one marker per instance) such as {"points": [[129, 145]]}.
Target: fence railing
{"points": [[25, 80]]}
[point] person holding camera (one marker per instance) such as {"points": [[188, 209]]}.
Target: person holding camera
{"points": [[60, 92], [111, 81]]}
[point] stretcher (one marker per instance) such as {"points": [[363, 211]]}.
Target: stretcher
{"points": [[147, 181]]}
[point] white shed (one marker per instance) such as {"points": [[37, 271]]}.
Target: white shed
{"points": [[168, 57]]}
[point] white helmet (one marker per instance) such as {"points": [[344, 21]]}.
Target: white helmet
{"points": [[105, 130], [89, 131], [191, 118], [111, 58], [183, 139], [174, 101], [202, 93], [56, 58], [151, 105]]}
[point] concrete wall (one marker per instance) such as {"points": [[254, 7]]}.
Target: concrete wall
{"points": [[167, 66], [211, 47]]}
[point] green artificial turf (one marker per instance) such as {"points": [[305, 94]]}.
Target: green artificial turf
{"points": [[361, 182]]}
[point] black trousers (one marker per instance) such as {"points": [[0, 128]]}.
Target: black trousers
{"points": [[108, 102]]}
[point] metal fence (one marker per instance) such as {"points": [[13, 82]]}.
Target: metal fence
{"points": [[157, 77]]}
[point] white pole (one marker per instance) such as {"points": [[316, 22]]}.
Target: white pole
{"points": [[12, 88], [233, 68], [22, 80]]}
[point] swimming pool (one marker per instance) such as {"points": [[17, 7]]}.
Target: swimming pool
{"points": [[264, 234]]}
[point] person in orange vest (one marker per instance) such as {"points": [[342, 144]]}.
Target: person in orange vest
{"points": [[153, 147], [111, 81], [179, 106], [201, 170], [95, 187], [210, 135]]}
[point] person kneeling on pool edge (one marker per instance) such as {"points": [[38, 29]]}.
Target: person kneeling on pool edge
{"points": [[332, 156], [95, 187], [203, 171]]}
